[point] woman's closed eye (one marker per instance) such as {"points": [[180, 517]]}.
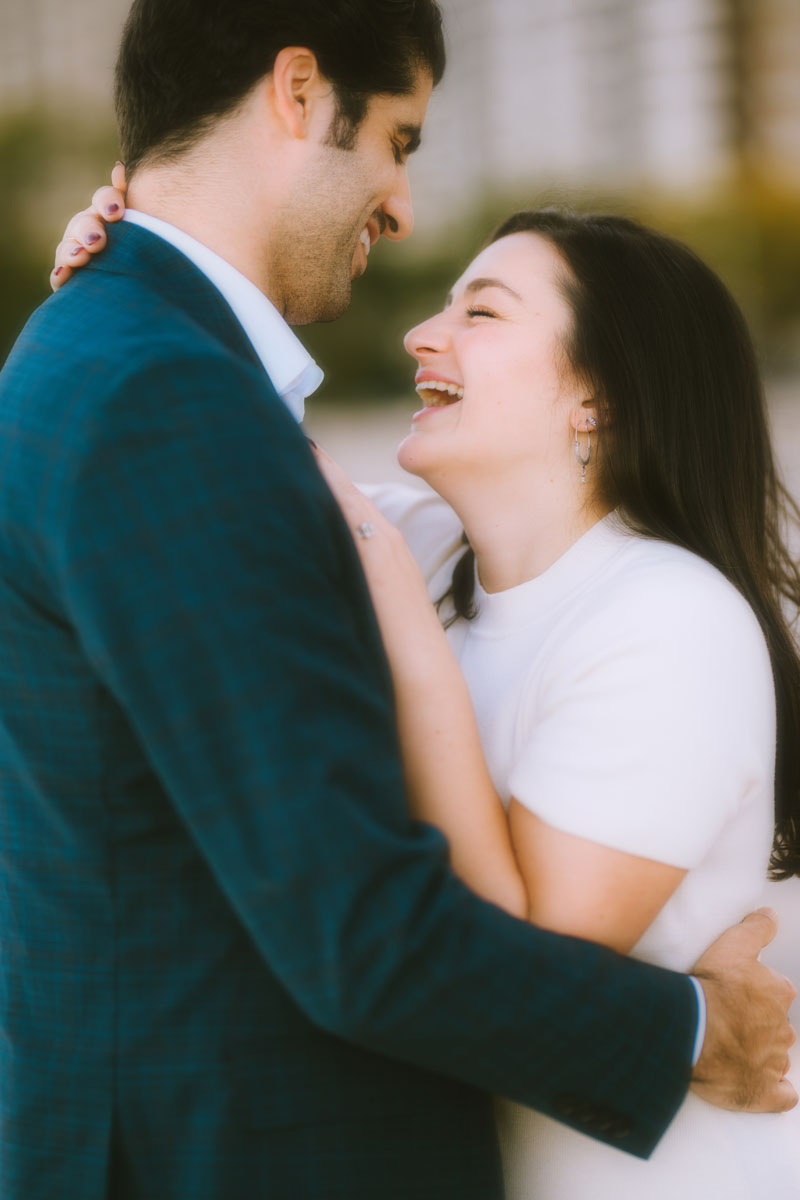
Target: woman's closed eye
{"points": [[480, 312]]}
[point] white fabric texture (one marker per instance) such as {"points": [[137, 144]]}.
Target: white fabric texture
{"points": [[626, 696], [292, 370]]}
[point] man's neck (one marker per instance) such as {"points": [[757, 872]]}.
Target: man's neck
{"points": [[210, 211]]}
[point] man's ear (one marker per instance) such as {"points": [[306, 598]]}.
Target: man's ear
{"points": [[297, 87]]}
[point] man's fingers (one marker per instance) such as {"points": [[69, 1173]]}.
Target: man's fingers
{"points": [[785, 991], [108, 203], [780, 1098], [766, 910], [761, 926], [740, 942]]}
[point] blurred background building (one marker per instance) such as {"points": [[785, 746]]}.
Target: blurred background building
{"points": [[685, 113], [678, 95], [621, 94]]}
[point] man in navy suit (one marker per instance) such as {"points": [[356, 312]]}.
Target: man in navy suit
{"points": [[230, 965]]}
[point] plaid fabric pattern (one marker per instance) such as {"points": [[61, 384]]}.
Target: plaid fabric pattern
{"points": [[229, 965]]}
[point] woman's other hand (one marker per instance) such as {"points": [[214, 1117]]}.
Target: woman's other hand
{"points": [[405, 612], [86, 232]]}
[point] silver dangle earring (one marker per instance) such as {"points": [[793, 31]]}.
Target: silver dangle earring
{"points": [[582, 458]]}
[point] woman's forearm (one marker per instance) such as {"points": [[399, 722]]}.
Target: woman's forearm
{"points": [[449, 786], [448, 782], [447, 778]]}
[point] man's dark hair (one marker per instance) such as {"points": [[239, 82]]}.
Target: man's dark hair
{"points": [[183, 64]]}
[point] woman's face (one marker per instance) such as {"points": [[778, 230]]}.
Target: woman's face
{"points": [[497, 343]]}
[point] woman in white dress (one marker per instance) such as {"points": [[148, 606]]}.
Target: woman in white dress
{"points": [[591, 710]]}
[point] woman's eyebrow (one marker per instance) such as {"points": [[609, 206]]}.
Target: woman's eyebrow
{"points": [[477, 285]]}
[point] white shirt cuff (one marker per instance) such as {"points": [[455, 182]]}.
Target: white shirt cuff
{"points": [[700, 1036]]}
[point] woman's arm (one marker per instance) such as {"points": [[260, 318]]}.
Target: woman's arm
{"points": [[579, 887], [446, 774]]}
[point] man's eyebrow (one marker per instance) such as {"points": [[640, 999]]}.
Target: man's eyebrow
{"points": [[413, 134], [477, 285]]}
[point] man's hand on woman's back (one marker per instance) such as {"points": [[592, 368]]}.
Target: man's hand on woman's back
{"points": [[745, 1054]]}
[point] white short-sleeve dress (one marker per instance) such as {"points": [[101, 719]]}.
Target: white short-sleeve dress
{"points": [[626, 696]]}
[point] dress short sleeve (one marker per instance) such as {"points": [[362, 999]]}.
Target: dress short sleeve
{"points": [[653, 719]]}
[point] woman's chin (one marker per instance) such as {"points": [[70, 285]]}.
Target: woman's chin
{"points": [[412, 457]]}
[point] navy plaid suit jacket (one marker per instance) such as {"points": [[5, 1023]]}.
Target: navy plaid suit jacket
{"points": [[230, 966]]}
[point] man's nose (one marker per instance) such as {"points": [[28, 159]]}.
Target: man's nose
{"points": [[397, 210]]}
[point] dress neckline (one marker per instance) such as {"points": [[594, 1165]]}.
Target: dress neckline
{"points": [[503, 612]]}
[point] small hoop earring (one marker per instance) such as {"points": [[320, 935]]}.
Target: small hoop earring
{"points": [[582, 458]]}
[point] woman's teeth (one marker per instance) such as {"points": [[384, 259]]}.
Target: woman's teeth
{"points": [[366, 240], [435, 392]]}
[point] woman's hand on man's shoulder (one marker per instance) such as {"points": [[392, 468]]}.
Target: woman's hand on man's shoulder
{"points": [[85, 234]]}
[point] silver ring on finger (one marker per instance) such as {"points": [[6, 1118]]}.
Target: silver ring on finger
{"points": [[365, 530]]}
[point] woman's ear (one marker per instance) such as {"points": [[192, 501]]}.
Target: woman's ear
{"points": [[585, 417], [297, 87]]}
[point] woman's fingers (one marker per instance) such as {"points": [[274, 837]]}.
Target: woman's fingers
{"points": [[358, 510], [87, 229], [118, 177], [351, 500], [109, 203], [59, 276], [86, 232], [71, 253], [84, 235]]}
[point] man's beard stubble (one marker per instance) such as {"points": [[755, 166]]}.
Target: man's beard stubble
{"points": [[314, 282]]}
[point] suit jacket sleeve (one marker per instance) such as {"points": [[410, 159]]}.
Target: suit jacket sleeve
{"points": [[216, 592]]}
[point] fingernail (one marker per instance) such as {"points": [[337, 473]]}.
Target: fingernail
{"points": [[58, 271], [75, 251], [111, 209], [91, 238]]}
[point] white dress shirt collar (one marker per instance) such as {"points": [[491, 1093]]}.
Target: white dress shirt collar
{"points": [[292, 370]]}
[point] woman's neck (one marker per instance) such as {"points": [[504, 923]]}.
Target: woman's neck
{"points": [[518, 530]]}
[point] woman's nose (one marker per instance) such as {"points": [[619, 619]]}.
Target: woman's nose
{"points": [[427, 338]]}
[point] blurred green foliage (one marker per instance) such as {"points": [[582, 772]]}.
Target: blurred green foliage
{"points": [[24, 151], [750, 234], [49, 167]]}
